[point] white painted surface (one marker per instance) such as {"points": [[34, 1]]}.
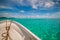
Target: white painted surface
{"points": [[19, 32]]}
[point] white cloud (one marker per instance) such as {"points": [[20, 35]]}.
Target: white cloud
{"points": [[19, 2], [49, 4], [35, 3], [34, 7], [4, 15], [5, 7], [57, 15], [47, 15], [22, 11]]}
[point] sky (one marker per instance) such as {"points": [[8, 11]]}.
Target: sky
{"points": [[30, 8]]}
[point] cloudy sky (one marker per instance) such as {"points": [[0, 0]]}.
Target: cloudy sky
{"points": [[30, 8]]}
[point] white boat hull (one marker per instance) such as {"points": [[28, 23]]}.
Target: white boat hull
{"points": [[17, 31]]}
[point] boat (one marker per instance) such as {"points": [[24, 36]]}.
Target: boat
{"points": [[12, 30]]}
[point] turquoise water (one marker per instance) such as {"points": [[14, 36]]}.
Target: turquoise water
{"points": [[46, 29]]}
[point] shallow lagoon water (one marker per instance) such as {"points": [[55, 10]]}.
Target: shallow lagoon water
{"points": [[46, 29]]}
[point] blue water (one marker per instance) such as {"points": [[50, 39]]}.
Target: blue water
{"points": [[46, 29]]}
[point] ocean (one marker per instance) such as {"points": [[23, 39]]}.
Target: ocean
{"points": [[46, 29]]}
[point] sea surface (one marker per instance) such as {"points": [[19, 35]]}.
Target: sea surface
{"points": [[46, 29]]}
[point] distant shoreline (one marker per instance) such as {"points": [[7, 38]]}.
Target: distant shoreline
{"points": [[27, 18]]}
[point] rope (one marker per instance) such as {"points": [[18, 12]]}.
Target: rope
{"points": [[7, 33]]}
